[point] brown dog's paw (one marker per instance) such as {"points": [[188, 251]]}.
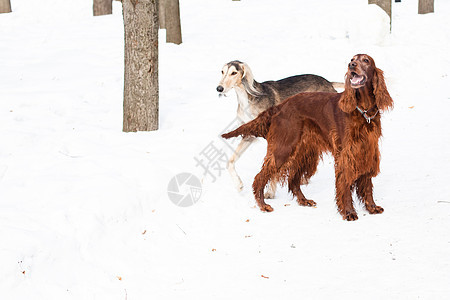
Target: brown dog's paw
{"points": [[375, 209], [350, 216], [306, 202], [266, 207]]}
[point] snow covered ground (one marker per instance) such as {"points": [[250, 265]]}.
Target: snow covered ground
{"points": [[84, 208]]}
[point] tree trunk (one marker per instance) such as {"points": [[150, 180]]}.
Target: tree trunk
{"points": [[140, 104], [426, 6], [173, 24], [5, 6], [162, 14], [102, 7], [386, 5]]}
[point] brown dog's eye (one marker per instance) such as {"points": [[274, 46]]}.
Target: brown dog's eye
{"points": [[233, 73], [366, 60]]}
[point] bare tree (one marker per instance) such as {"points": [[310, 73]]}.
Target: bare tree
{"points": [[162, 14], [102, 7], [386, 5], [426, 6], [172, 20], [141, 103], [5, 6]]}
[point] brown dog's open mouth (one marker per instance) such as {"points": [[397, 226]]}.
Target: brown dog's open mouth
{"points": [[357, 80]]}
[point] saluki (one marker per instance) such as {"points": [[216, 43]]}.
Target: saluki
{"points": [[255, 97]]}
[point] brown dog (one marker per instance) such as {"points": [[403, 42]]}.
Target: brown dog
{"points": [[303, 127]]}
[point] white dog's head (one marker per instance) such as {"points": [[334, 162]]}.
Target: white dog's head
{"points": [[236, 74]]}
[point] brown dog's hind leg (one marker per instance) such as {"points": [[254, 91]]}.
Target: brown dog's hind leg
{"points": [[261, 203], [302, 166], [259, 184]]}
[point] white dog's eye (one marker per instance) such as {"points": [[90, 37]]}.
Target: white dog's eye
{"points": [[233, 73], [222, 72]]}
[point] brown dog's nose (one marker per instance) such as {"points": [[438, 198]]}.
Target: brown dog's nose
{"points": [[352, 65], [219, 89]]}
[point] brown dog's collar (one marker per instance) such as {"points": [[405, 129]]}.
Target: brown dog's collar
{"points": [[364, 114]]}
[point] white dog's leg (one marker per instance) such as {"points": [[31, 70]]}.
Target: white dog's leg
{"points": [[243, 145], [271, 190]]}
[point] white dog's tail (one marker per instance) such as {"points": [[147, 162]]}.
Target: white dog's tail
{"points": [[338, 85]]}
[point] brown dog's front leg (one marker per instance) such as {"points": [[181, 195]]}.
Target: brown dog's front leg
{"points": [[344, 199], [364, 191]]}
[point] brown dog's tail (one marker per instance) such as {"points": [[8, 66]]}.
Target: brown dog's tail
{"points": [[258, 127]]}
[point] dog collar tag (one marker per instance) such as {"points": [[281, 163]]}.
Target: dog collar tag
{"points": [[364, 114]]}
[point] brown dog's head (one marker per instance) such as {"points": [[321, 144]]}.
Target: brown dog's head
{"points": [[364, 78]]}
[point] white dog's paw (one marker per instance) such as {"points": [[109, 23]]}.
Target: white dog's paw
{"points": [[269, 194], [239, 186]]}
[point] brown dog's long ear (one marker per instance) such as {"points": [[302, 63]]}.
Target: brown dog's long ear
{"points": [[347, 102], [382, 97]]}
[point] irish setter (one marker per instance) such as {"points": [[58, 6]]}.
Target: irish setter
{"points": [[300, 129]]}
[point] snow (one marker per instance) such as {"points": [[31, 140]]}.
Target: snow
{"points": [[84, 208]]}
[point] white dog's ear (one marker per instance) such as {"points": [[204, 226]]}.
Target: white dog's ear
{"points": [[244, 68], [246, 72], [248, 81]]}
